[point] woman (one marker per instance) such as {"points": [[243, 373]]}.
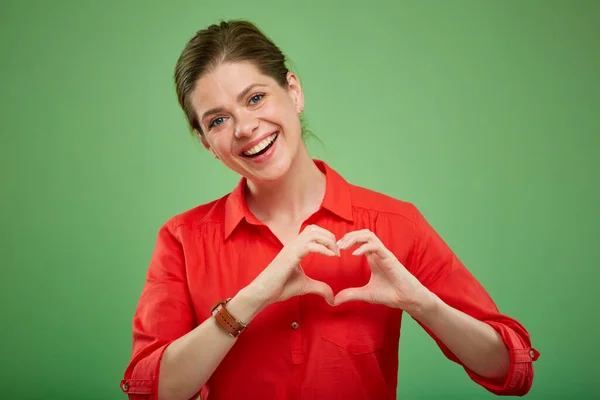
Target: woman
{"points": [[310, 274]]}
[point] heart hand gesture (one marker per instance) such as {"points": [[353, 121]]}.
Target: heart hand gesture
{"points": [[390, 284], [284, 277]]}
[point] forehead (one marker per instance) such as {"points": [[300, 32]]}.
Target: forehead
{"points": [[223, 84]]}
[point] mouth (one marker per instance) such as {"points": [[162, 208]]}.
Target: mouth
{"points": [[262, 147]]}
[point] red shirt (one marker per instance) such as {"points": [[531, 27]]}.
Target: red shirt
{"points": [[303, 348]]}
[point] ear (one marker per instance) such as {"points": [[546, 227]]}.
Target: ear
{"points": [[295, 91]]}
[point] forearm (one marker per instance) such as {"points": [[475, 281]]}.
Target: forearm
{"points": [[189, 361], [476, 344]]}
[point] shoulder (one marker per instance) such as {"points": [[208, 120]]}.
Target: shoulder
{"points": [[200, 215], [382, 204]]}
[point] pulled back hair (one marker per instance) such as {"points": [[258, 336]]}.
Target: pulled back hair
{"points": [[228, 41]]}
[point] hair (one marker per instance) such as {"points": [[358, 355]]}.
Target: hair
{"points": [[228, 41]]}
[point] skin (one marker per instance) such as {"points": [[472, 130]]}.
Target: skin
{"points": [[282, 192]]}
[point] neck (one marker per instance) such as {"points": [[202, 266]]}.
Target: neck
{"points": [[292, 198]]}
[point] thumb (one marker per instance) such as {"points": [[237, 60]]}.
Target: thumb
{"points": [[320, 288], [352, 294]]}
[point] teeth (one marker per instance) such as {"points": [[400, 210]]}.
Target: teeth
{"points": [[264, 143]]}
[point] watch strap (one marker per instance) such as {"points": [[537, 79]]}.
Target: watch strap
{"points": [[229, 323]]}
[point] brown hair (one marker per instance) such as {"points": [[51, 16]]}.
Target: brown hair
{"points": [[228, 41]]}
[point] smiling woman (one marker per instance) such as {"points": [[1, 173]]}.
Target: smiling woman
{"points": [[242, 113], [294, 284]]}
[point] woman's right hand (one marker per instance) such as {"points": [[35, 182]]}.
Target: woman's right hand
{"points": [[284, 278]]}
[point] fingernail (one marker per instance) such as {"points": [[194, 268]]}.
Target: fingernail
{"points": [[355, 252]]}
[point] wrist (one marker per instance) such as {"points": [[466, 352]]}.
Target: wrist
{"points": [[245, 305], [426, 306]]}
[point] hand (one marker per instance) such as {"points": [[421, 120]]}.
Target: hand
{"points": [[390, 284], [284, 277]]}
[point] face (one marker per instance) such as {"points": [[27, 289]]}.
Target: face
{"points": [[248, 120]]}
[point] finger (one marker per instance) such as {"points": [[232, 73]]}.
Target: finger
{"points": [[313, 247], [317, 228], [352, 294], [325, 238], [370, 247], [356, 237], [321, 289], [351, 238]]}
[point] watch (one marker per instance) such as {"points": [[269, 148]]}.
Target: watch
{"points": [[231, 325]]}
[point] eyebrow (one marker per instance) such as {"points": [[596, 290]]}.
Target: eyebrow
{"points": [[239, 98]]}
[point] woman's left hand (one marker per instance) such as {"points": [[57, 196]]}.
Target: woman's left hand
{"points": [[390, 284]]}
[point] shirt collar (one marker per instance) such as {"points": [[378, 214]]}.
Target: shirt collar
{"points": [[337, 200]]}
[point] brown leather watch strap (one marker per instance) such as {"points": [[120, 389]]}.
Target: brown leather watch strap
{"points": [[231, 325]]}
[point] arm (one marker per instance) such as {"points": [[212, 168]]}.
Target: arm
{"points": [[172, 357], [460, 316], [445, 299], [189, 361], [167, 345], [476, 344]]}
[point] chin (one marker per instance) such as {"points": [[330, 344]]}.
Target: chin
{"points": [[269, 172], [273, 172]]}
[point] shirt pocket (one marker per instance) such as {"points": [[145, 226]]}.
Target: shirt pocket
{"points": [[357, 327]]}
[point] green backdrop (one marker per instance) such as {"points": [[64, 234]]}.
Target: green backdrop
{"points": [[485, 114]]}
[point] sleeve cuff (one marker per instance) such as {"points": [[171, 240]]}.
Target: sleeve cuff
{"points": [[137, 386], [141, 378], [520, 374], [141, 381]]}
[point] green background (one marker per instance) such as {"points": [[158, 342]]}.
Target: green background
{"points": [[485, 114]]}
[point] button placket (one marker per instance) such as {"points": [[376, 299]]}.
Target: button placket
{"points": [[296, 335]]}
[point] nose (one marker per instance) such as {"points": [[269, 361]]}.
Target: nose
{"points": [[246, 124]]}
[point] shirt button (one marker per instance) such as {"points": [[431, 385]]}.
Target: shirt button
{"points": [[531, 354], [125, 387], [294, 325]]}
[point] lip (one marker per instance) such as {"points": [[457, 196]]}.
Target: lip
{"points": [[256, 141]]}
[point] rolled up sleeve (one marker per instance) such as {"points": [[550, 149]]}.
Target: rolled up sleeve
{"points": [[440, 270], [164, 313], [520, 375]]}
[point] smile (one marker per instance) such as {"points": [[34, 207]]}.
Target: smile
{"points": [[261, 147]]}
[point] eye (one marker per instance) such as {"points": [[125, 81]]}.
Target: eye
{"points": [[216, 122], [256, 98]]}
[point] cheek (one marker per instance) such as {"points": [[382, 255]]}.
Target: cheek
{"points": [[272, 112], [220, 144], [280, 114]]}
